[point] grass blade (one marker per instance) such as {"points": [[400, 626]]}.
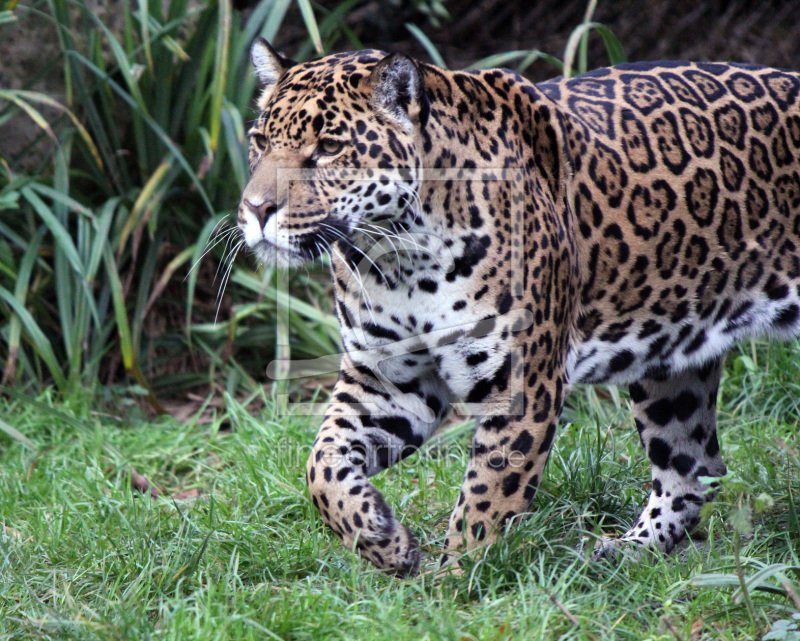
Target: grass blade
{"points": [[583, 49], [37, 337], [233, 128], [199, 249], [614, 49], [430, 48], [7, 17], [144, 19], [220, 70], [528, 57], [34, 96], [311, 25], [120, 311], [156, 128], [33, 114], [44, 408], [60, 234], [16, 435], [275, 19], [147, 200], [23, 276], [167, 274], [251, 281], [255, 22], [63, 198]]}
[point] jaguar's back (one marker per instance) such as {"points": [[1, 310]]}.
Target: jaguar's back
{"points": [[687, 206]]}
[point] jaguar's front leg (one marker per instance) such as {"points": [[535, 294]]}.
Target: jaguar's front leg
{"points": [[508, 457], [365, 430]]}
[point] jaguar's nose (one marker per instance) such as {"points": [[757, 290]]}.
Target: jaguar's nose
{"points": [[263, 210]]}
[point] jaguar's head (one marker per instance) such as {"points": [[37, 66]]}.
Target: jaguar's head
{"points": [[336, 149]]}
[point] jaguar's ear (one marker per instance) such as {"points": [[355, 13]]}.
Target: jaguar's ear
{"points": [[270, 66], [398, 89]]}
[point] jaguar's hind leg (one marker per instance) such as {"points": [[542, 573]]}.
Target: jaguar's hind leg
{"points": [[676, 419]]}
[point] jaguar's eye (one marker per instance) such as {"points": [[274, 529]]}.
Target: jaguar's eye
{"points": [[259, 140], [330, 147]]}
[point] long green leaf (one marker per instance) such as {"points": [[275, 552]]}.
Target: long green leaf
{"points": [[17, 435], [759, 579], [233, 129], [146, 201], [181, 259], [430, 48], [60, 234], [160, 32], [252, 282], [34, 96], [120, 311], [311, 25], [63, 198], [23, 276], [7, 17], [614, 49], [583, 48], [33, 114], [275, 19], [37, 337], [256, 22], [220, 70], [329, 28], [144, 30], [156, 128], [102, 225], [201, 247], [124, 65], [528, 56]]}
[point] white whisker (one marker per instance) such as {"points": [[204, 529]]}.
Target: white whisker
{"points": [[357, 277], [414, 196], [381, 236], [359, 250], [226, 251], [212, 242], [226, 277]]}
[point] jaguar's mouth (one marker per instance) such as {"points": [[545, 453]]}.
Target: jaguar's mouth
{"points": [[272, 255], [275, 245], [271, 246]]}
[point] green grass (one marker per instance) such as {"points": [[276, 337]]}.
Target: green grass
{"points": [[84, 556]]}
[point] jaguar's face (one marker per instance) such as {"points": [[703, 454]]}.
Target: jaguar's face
{"points": [[334, 151]]}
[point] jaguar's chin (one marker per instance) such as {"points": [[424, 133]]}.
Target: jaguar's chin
{"points": [[274, 256]]}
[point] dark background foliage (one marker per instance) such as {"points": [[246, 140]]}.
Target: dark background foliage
{"points": [[762, 32]]}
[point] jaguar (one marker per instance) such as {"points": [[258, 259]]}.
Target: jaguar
{"points": [[494, 242]]}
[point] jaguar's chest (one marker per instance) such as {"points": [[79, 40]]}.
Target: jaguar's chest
{"points": [[420, 327]]}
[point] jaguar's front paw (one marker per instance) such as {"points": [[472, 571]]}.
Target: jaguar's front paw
{"points": [[440, 564], [398, 551], [616, 549]]}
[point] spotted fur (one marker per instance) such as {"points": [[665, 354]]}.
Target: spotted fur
{"points": [[626, 226]]}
